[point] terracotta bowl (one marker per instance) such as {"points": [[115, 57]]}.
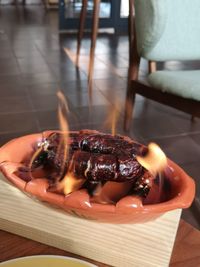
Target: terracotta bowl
{"points": [[126, 209]]}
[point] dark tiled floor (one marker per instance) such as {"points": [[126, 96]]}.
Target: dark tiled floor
{"points": [[34, 65]]}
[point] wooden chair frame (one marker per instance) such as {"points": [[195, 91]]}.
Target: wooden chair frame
{"points": [[134, 86], [95, 27]]}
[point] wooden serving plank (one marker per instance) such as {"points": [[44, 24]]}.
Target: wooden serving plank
{"points": [[128, 245]]}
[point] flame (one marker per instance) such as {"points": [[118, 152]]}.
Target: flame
{"points": [[154, 161], [70, 183], [113, 123], [113, 115], [67, 185], [64, 127], [62, 107], [34, 157], [41, 147]]}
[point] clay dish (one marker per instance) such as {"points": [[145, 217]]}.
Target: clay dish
{"points": [[127, 209]]}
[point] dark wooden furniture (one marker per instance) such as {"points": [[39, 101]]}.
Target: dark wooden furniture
{"points": [[135, 86], [114, 21], [95, 27]]}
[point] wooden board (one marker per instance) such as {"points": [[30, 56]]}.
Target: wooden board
{"points": [[127, 245]]}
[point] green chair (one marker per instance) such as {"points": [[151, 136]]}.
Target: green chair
{"points": [[165, 30]]}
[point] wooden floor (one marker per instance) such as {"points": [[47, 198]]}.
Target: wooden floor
{"points": [[36, 61]]}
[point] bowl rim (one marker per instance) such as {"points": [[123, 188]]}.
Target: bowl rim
{"points": [[28, 259]]}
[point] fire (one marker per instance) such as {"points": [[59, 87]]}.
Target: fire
{"points": [[154, 161], [33, 159], [113, 111], [64, 127], [70, 183], [35, 155]]}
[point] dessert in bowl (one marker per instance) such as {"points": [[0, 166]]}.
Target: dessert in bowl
{"points": [[96, 177]]}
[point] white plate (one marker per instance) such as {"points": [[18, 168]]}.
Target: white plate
{"points": [[46, 261]]}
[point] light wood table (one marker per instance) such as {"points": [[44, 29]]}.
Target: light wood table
{"points": [[186, 252]]}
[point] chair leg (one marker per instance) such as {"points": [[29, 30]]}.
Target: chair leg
{"points": [[130, 96], [129, 106], [81, 27], [95, 27], [134, 62], [131, 29]]}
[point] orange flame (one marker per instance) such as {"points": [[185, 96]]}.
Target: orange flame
{"points": [[34, 157], [113, 116], [70, 183], [154, 161], [64, 127], [42, 146]]}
